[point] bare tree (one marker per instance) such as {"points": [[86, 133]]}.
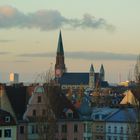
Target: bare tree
{"points": [[137, 70], [48, 122]]}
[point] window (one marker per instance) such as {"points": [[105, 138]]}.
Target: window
{"points": [[115, 129], [32, 129], [115, 137], [97, 128], [75, 128], [7, 133], [101, 128], [39, 99], [98, 138], [43, 112], [7, 119], [84, 127], [21, 130], [109, 129], [96, 117], [121, 138], [70, 115], [127, 131], [64, 128], [121, 130], [0, 133], [36, 129], [34, 112], [109, 138]]}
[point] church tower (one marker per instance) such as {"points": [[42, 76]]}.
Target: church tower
{"points": [[60, 62], [102, 73], [91, 77]]}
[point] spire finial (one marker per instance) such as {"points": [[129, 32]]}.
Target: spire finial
{"points": [[60, 44]]}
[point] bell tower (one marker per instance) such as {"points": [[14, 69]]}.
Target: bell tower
{"points": [[60, 60], [91, 77]]}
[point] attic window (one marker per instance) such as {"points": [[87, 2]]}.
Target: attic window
{"points": [[7, 119], [39, 99]]}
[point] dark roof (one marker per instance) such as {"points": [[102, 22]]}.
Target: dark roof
{"points": [[74, 79], [18, 98], [104, 84], [79, 79], [3, 115]]}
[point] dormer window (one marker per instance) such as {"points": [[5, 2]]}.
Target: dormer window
{"points": [[70, 115], [7, 119]]}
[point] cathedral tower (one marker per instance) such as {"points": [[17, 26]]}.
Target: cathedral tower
{"points": [[60, 62], [91, 77]]}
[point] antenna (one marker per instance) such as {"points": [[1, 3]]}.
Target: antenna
{"points": [[120, 78]]}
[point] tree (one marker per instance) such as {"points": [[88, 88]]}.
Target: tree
{"points": [[137, 90], [46, 123], [137, 70]]}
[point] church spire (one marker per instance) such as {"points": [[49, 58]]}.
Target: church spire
{"points": [[60, 59], [60, 49]]}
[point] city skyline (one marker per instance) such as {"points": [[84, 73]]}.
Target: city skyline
{"points": [[95, 32]]}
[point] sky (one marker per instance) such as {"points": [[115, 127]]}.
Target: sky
{"points": [[94, 31]]}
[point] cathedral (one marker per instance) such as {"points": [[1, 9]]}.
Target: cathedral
{"points": [[66, 79]]}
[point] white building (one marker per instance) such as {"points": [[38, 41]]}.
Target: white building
{"points": [[122, 125]]}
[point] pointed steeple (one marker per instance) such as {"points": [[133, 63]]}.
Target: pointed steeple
{"points": [[91, 77], [102, 73], [60, 49], [91, 68], [102, 69]]}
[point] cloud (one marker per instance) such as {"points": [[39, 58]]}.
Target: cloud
{"points": [[4, 53], [37, 55], [21, 61], [5, 40], [45, 20], [86, 55]]}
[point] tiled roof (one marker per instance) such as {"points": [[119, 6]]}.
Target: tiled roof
{"points": [[124, 115]]}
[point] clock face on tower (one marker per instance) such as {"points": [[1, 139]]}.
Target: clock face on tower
{"points": [[58, 72]]}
